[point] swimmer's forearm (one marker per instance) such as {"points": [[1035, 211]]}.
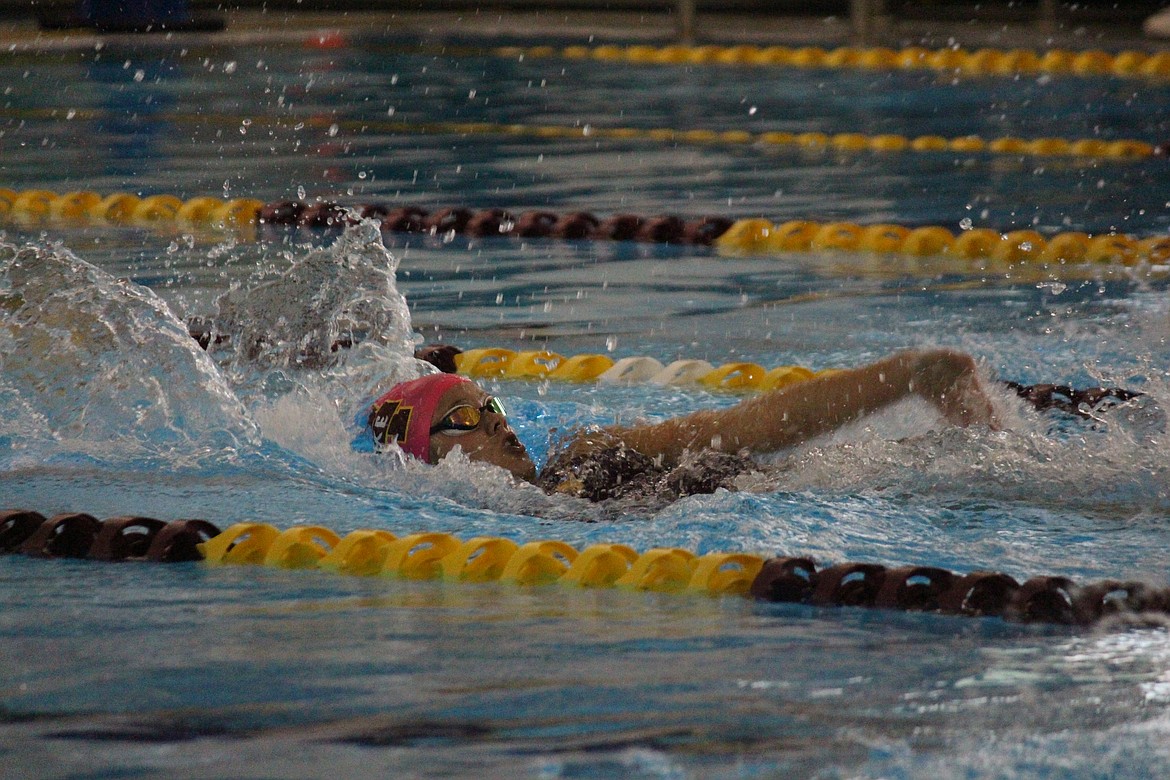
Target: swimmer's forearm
{"points": [[779, 418], [788, 416]]}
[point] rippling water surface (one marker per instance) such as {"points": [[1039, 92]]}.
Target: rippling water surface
{"points": [[108, 407]]}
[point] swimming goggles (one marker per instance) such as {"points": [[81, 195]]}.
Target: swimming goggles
{"points": [[465, 418]]}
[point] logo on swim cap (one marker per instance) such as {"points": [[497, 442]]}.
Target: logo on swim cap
{"points": [[390, 422], [403, 415]]}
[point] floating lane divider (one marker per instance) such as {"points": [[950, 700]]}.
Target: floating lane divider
{"points": [[250, 217], [761, 236], [45, 207], [734, 377], [849, 142], [1089, 148], [442, 556], [952, 60]]}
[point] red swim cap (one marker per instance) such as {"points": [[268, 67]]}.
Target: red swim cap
{"points": [[403, 415]]}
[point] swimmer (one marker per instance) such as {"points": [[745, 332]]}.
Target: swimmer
{"points": [[694, 453]]}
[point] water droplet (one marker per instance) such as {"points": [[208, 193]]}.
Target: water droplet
{"points": [[229, 67], [301, 192], [139, 75], [752, 111], [611, 343], [965, 223], [333, 130]]}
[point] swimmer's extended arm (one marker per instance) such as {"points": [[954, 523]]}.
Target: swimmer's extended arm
{"points": [[793, 414]]}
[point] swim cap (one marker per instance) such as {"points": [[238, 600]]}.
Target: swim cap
{"points": [[403, 415]]}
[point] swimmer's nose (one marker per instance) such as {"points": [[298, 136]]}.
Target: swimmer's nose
{"points": [[495, 424]]}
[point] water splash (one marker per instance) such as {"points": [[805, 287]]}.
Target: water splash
{"points": [[99, 361], [1114, 466], [331, 325], [309, 314]]}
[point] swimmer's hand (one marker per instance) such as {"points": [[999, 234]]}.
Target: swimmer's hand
{"points": [[950, 381]]}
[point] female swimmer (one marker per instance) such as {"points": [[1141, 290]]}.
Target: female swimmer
{"points": [[695, 453]]}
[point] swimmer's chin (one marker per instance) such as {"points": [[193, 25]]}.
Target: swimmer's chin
{"points": [[521, 468], [515, 462], [519, 474], [527, 473]]}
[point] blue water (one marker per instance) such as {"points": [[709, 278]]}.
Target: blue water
{"points": [[182, 670]]}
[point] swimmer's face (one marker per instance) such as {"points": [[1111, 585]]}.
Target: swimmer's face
{"points": [[491, 441]]}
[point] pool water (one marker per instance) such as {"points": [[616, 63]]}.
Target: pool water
{"points": [[186, 670]]}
